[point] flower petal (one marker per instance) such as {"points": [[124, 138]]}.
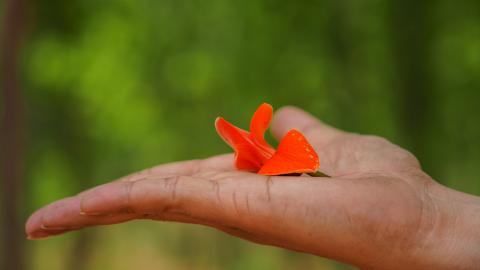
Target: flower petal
{"points": [[248, 155], [259, 124], [294, 155], [231, 134]]}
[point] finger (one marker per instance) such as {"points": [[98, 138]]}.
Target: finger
{"points": [[201, 199], [115, 202], [317, 132], [65, 215]]}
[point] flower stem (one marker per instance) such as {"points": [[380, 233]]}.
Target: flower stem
{"points": [[318, 174]]}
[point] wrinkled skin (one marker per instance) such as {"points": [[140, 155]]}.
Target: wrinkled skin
{"points": [[379, 210]]}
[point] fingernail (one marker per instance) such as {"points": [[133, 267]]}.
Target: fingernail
{"points": [[83, 213], [37, 235], [54, 228]]}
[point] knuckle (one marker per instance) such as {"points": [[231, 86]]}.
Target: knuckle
{"points": [[171, 183], [397, 155], [268, 186], [407, 157], [374, 140], [128, 206], [216, 187]]}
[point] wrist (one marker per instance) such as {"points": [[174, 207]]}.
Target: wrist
{"points": [[454, 239]]}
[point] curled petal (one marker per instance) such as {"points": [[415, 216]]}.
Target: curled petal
{"points": [[249, 155], [259, 124], [294, 155]]}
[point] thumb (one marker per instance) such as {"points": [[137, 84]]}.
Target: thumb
{"points": [[289, 117]]}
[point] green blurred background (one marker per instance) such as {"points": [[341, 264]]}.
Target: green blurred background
{"points": [[111, 87]]}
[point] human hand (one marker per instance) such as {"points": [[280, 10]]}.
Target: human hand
{"points": [[379, 210]]}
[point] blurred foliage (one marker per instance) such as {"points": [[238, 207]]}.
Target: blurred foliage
{"points": [[115, 86]]}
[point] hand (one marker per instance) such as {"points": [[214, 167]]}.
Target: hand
{"points": [[377, 211]]}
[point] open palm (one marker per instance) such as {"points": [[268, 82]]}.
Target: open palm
{"points": [[377, 206]]}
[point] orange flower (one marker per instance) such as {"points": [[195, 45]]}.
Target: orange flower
{"points": [[253, 153]]}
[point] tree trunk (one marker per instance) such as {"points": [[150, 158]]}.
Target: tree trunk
{"points": [[12, 136]]}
